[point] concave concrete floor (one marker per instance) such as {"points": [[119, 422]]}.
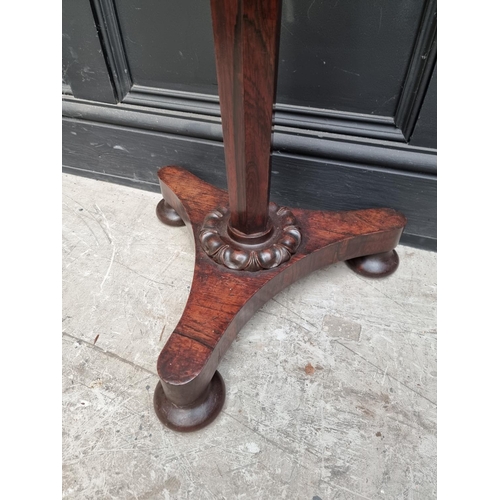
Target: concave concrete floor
{"points": [[331, 386]]}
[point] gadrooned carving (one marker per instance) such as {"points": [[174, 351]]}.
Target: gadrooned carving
{"points": [[281, 245]]}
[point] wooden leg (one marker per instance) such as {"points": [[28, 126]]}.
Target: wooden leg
{"points": [[378, 265], [222, 299]]}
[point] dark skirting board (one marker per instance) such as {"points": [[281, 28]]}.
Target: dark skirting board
{"points": [[132, 157]]}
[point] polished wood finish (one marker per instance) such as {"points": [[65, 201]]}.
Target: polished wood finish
{"points": [[246, 34], [249, 234], [168, 215], [222, 300], [378, 265], [196, 415], [246, 249], [266, 252]]}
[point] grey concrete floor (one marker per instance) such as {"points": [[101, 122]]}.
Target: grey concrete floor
{"points": [[331, 386]]}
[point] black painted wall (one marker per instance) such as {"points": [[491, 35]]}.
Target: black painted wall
{"points": [[355, 122]]}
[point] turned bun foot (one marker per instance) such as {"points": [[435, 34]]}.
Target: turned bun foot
{"points": [[168, 215], [377, 265], [195, 415]]}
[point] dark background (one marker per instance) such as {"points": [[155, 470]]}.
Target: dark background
{"points": [[355, 123]]}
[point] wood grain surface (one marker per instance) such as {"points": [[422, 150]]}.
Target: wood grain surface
{"points": [[246, 35], [221, 300]]}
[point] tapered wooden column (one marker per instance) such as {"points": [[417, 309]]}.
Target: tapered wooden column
{"points": [[246, 35]]}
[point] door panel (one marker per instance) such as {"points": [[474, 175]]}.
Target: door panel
{"points": [[84, 64], [341, 55]]}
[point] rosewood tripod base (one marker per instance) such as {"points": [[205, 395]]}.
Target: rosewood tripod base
{"points": [[191, 392]]}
